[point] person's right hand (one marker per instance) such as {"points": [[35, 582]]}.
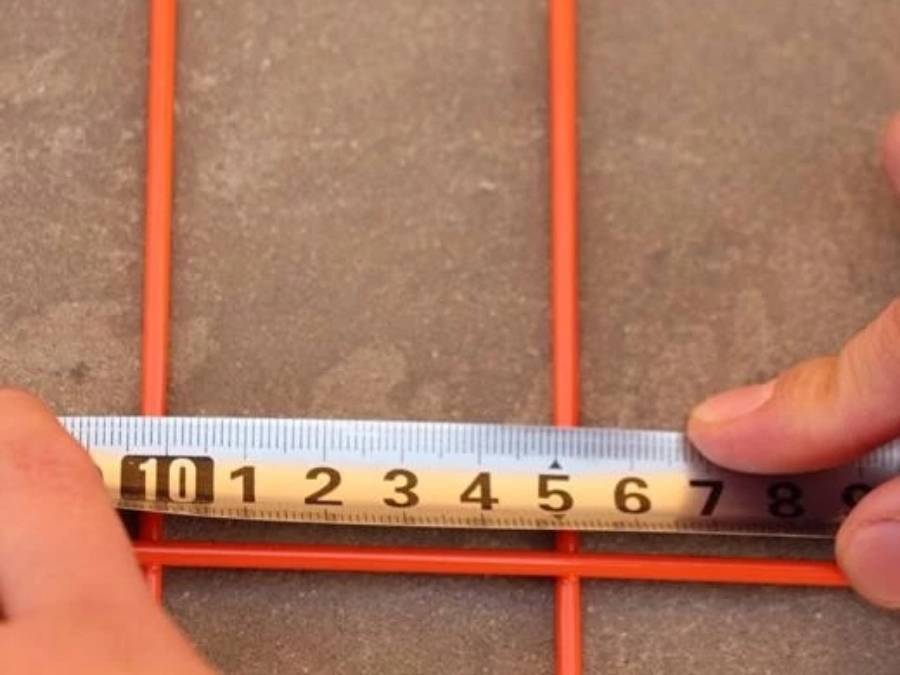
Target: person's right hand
{"points": [[820, 414]]}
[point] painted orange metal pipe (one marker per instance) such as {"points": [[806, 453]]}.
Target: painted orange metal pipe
{"points": [[530, 563], [158, 235], [564, 212], [564, 291], [567, 617]]}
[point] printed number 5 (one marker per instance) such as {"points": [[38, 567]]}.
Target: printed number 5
{"points": [[565, 501]]}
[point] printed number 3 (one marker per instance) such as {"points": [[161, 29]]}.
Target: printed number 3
{"points": [[406, 489]]}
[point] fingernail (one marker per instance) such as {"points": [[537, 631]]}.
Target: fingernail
{"points": [[870, 557], [735, 403]]}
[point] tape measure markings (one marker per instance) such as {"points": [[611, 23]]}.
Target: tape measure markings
{"points": [[436, 474]]}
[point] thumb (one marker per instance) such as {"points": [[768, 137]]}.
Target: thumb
{"points": [[868, 546], [820, 414], [823, 412]]}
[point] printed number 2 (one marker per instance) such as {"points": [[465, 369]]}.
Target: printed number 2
{"points": [[333, 479], [185, 480]]}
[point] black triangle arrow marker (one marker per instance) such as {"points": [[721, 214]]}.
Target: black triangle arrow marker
{"points": [[555, 464]]}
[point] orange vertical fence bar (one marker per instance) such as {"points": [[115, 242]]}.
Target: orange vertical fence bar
{"points": [[158, 235], [564, 293]]}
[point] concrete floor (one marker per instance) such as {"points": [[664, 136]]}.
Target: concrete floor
{"points": [[361, 231]]}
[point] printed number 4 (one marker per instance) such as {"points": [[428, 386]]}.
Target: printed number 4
{"points": [[479, 492]]}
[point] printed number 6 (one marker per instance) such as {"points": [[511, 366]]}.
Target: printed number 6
{"points": [[631, 502]]}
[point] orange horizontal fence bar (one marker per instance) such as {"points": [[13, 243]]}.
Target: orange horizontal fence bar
{"points": [[490, 563]]}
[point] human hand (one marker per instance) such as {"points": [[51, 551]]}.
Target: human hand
{"points": [[820, 414], [72, 597]]}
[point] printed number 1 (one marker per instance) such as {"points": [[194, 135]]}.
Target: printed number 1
{"points": [[247, 474]]}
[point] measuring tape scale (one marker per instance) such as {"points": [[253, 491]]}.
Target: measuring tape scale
{"points": [[458, 475]]}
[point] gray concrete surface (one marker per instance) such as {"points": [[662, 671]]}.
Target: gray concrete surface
{"points": [[361, 231]]}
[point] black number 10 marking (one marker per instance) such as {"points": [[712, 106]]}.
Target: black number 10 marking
{"points": [[179, 480]]}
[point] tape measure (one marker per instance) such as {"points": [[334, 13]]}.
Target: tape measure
{"points": [[458, 475]]}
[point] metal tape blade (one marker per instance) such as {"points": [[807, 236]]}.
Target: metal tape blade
{"points": [[442, 474]]}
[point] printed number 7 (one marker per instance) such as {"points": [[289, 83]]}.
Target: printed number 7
{"points": [[715, 487]]}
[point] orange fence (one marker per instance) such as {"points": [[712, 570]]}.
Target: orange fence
{"points": [[567, 565]]}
